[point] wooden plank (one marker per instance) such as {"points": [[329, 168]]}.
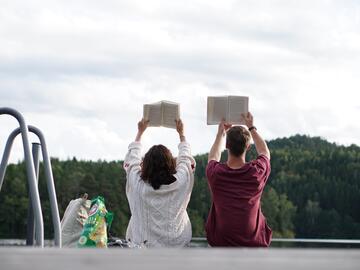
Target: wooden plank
{"points": [[173, 259]]}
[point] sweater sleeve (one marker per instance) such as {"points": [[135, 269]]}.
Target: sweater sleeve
{"points": [[185, 163], [132, 164]]}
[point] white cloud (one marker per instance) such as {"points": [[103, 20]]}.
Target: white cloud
{"points": [[81, 70]]}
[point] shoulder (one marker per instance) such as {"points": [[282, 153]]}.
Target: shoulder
{"points": [[213, 168], [262, 165], [262, 160], [212, 164]]}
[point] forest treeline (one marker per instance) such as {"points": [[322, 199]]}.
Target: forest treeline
{"points": [[313, 191]]}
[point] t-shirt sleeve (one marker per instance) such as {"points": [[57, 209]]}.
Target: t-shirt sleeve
{"points": [[262, 166], [211, 169]]}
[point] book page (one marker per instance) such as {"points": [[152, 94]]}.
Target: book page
{"points": [[170, 113], [237, 106], [152, 112], [217, 109]]}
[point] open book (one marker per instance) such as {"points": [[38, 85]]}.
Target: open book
{"points": [[228, 107], [162, 113]]}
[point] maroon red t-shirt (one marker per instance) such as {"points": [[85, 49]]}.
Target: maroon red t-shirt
{"points": [[235, 217]]}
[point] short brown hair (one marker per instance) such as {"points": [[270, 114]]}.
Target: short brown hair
{"points": [[237, 140], [158, 167]]}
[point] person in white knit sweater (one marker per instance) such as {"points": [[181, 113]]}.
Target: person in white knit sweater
{"points": [[158, 189]]}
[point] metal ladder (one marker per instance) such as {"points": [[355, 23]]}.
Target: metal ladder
{"points": [[35, 218]]}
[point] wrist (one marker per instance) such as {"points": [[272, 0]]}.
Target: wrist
{"points": [[182, 137], [138, 136]]}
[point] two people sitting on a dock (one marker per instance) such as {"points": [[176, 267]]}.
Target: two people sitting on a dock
{"points": [[159, 187]]}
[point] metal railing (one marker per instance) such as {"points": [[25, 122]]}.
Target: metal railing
{"points": [[32, 179], [301, 241], [317, 241]]}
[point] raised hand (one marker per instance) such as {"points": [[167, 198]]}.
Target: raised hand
{"points": [[142, 125], [248, 119], [223, 127], [179, 127]]}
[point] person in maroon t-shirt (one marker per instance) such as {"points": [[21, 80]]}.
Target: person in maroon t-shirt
{"points": [[235, 217]]}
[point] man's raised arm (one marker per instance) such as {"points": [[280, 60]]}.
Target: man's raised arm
{"points": [[260, 144], [215, 151]]}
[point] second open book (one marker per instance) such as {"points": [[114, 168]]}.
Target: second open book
{"points": [[162, 113], [229, 108]]}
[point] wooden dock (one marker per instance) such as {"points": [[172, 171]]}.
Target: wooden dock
{"points": [[173, 259]]}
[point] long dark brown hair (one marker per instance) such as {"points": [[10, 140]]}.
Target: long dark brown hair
{"points": [[158, 167]]}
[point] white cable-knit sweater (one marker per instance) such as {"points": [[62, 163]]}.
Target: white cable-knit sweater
{"points": [[159, 217]]}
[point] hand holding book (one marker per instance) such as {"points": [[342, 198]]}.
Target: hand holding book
{"points": [[180, 129], [223, 128], [142, 125], [248, 119], [163, 113], [229, 108]]}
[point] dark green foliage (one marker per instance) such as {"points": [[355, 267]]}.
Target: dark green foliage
{"points": [[313, 191], [322, 180], [279, 212]]}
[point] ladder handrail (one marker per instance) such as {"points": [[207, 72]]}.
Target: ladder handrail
{"points": [[48, 175], [30, 169], [30, 230], [50, 186]]}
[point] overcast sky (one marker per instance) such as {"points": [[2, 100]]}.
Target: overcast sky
{"points": [[81, 70]]}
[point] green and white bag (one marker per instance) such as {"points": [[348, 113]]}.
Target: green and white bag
{"points": [[73, 221], [94, 233]]}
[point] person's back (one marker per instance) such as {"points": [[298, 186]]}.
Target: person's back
{"points": [[235, 218], [158, 191], [159, 217]]}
